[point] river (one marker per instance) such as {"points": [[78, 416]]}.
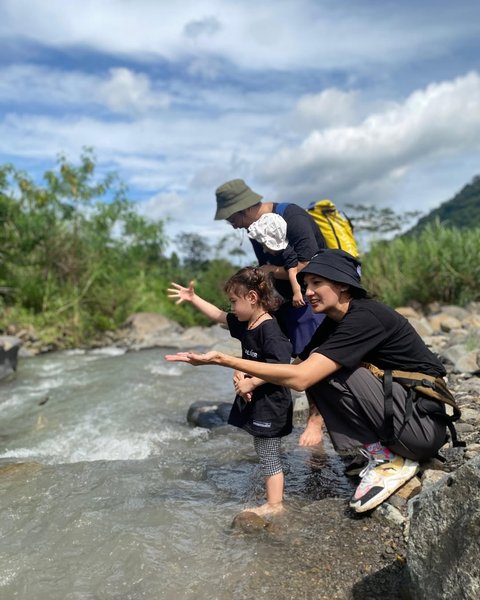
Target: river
{"points": [[108, 493]]}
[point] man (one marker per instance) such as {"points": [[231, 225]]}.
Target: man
{"points": [[241, 206]]}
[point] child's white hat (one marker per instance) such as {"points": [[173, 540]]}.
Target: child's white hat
{"points": [[270, 230]]}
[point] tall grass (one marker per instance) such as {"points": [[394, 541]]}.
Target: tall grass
{"points": [[440, 264]]}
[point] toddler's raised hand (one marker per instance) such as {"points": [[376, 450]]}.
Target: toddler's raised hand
{"points": [[181, 293]]}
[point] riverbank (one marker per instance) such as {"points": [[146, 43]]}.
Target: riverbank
{"points": [[364, 557]]}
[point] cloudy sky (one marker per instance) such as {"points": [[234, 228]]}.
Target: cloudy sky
{"points": [[372, 101]]}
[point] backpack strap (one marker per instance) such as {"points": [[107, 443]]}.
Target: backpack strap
{"points": [[388, 425], [281, 207], [417, 384], [389, 436]]}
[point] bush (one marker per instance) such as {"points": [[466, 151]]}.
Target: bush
{"points": [[441, 264]]}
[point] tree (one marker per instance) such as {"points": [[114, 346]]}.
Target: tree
{"points": [[74, 245], [195, 251], [380, 221]]}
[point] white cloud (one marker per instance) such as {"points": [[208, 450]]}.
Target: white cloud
{"points": [[164, 206], [294, 34], [125, 91], [440, 121], [300, 98], [327, 108], [121, 90]]}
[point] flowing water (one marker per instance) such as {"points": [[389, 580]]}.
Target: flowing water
{"points": [[106, 492]]}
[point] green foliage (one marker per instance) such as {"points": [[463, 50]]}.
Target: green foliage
{"points": [[209, 285], [440, 264], [76, 259]]}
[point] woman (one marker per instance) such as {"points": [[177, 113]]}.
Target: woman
{"points": [[357, 331]]}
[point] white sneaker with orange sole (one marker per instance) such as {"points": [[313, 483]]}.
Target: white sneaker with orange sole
{"points": [[380, 479]]}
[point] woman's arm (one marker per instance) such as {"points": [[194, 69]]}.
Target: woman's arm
{"points": [[296, 376]]}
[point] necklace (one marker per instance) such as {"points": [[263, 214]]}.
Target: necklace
{"points": [[259, 316]]}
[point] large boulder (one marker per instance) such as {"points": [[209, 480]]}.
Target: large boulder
{"points": [[153, 330], [9, 347], [147, 330], [444, 541]]}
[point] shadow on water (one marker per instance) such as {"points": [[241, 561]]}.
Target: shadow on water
{"points": [[390, 583]]}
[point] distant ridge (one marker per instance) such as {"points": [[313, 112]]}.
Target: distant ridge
{"points": [[461, 211]]}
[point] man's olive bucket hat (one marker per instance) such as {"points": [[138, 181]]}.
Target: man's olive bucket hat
{"points": [[234, 196]]}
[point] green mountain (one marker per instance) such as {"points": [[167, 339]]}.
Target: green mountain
{"points": [[461, 211]]}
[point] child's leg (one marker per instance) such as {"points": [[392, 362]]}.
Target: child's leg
{"points": [[274, 487], [268, 452]]}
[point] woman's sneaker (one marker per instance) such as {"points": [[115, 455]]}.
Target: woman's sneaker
{"points": [[380, 479]]}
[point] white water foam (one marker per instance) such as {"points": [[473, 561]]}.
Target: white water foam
{"points": [[108, 351], [86, 443], [45, 385], [7, 576], [14, 401], [168, 370]]}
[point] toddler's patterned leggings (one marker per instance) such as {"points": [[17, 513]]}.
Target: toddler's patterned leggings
{"points": [[268, 452]]}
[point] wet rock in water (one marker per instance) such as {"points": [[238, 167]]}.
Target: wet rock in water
{"points": [[208, 414], [249, 522], [9, 347]]}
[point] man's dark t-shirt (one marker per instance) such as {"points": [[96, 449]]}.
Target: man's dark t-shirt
{"points": [[270, 412], [375, 333]]}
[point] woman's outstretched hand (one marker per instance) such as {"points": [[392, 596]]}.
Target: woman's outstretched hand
{"points": [[195, 358], [179, 293]]}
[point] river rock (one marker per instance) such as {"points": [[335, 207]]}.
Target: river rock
{"points": [[9, 347], [249, 522], [151, 330], [147, 330], [421, 326], [444, 540], [208, 414]]}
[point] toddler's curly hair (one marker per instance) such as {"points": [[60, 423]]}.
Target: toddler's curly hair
{"points": [[254, 279]]}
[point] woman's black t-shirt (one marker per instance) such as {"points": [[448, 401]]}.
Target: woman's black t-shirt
{"points": [[375, 333], [269, 413]]}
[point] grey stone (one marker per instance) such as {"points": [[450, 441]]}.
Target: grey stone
{"points": [[390, 513], [444, 322], [9, 347], [457, 312], [208, 414], [421, 326], [444, 534], [463, 361]]}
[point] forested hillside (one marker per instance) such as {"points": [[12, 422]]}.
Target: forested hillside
{"points": [[461, 211]]}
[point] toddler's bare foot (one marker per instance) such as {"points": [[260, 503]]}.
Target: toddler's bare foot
{"points": [[266, 510]]}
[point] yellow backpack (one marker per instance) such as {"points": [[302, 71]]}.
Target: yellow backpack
{"points": [[335, 226]]}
